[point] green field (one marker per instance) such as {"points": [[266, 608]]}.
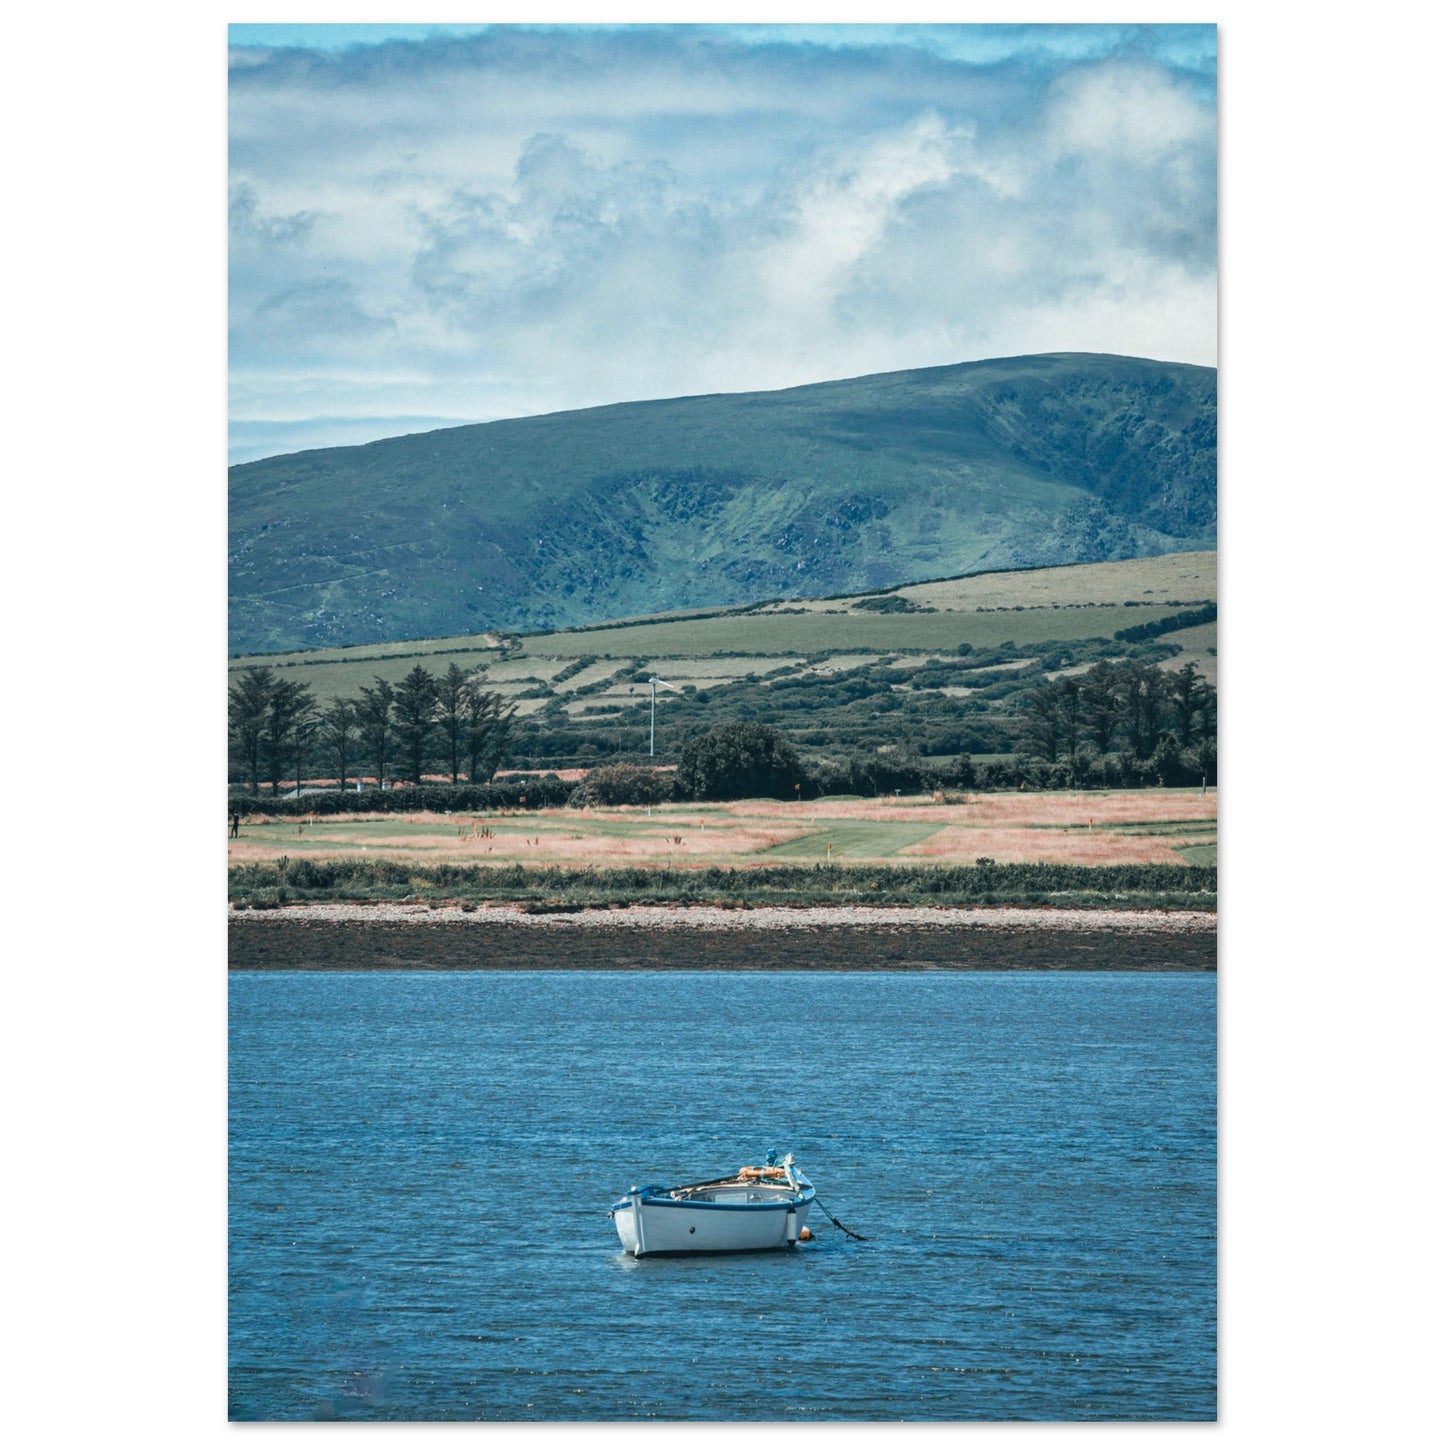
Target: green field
{"points": [[1144, 826], [777, 635], [947, 677], [984, 612], [342, 672], [854, 840]]}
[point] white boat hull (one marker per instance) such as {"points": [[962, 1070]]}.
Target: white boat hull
{"points": [[734, 1221]]}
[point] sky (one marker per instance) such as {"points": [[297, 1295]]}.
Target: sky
{"points": [[435, 225]]}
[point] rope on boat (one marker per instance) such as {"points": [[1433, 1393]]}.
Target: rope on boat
{"points": [[862, 1238]]}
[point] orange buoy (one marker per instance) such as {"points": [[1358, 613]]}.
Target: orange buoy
{"points": [[805, 1233]]}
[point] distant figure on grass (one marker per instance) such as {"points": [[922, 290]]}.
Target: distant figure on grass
{"points": [[235, 822]]}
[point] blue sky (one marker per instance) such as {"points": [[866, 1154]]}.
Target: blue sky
{"points": [[431, 225]]}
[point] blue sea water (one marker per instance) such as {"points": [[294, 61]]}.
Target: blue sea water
{"points": [[421, 1166]]}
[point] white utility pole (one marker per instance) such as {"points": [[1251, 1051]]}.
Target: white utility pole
{"points": [[652, 731]]}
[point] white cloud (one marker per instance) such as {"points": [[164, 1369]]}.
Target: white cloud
{"points": [[840, 215], [1130, 113], [520, 222]]}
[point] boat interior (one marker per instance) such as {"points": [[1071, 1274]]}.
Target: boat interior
{"points": [[749, 1186], [749, 1193]]}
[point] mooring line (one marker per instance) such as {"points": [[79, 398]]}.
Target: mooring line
{"points": [[850, 1233]]}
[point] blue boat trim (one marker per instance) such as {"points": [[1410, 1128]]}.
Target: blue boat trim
{"points": [[758, 1208], [666, 1202]]}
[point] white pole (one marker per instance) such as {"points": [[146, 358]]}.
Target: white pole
{"points": [[652, 731]]}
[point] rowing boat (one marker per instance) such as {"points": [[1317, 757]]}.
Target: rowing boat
{"points": [[760, 1207]]}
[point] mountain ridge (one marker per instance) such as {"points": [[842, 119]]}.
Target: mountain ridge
{"points": [[718, 499]]}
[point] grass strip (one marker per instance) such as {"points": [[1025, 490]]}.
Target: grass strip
{"points": [[307, 880]]}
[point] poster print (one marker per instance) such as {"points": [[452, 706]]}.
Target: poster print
{"points": [[723, 762]]}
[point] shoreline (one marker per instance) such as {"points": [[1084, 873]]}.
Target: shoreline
{"points": [[417, 937], [763, 917]]}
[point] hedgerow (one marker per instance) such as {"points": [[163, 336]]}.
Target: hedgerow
{"points": [[1041, 884], [1195, 617], [548, 791]]}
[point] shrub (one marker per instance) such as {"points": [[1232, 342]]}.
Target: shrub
{"points": [[890, 602], [740, 760], [623, 784]]}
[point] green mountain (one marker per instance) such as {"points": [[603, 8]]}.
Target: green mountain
{"points": [[554, 521]]}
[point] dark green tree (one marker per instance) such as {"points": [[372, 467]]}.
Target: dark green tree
{"points": [[1144, 696], [289, 710], [1054, 727], [415, 707], [373, 719], [249, 703], [303, 743], [489, 732], [1042, 724], [739, 760], [1184, 687], [1099, 704], [452, 717], [1167, 763], [338, 737], [1194, 705], [1070, 704], [1201, 762]]}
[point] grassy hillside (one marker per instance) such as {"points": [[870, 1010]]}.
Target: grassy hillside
{"points": [[703, 502], [942, 669]]}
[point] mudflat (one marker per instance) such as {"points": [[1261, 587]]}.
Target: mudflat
{"points": [[338, 937]]}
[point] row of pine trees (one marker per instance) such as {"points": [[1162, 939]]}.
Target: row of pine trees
{"points": [[388, 732], [424, 723]]}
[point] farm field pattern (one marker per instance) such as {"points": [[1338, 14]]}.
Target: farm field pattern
{"points": [[1153, 825], [1061, 604]]}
